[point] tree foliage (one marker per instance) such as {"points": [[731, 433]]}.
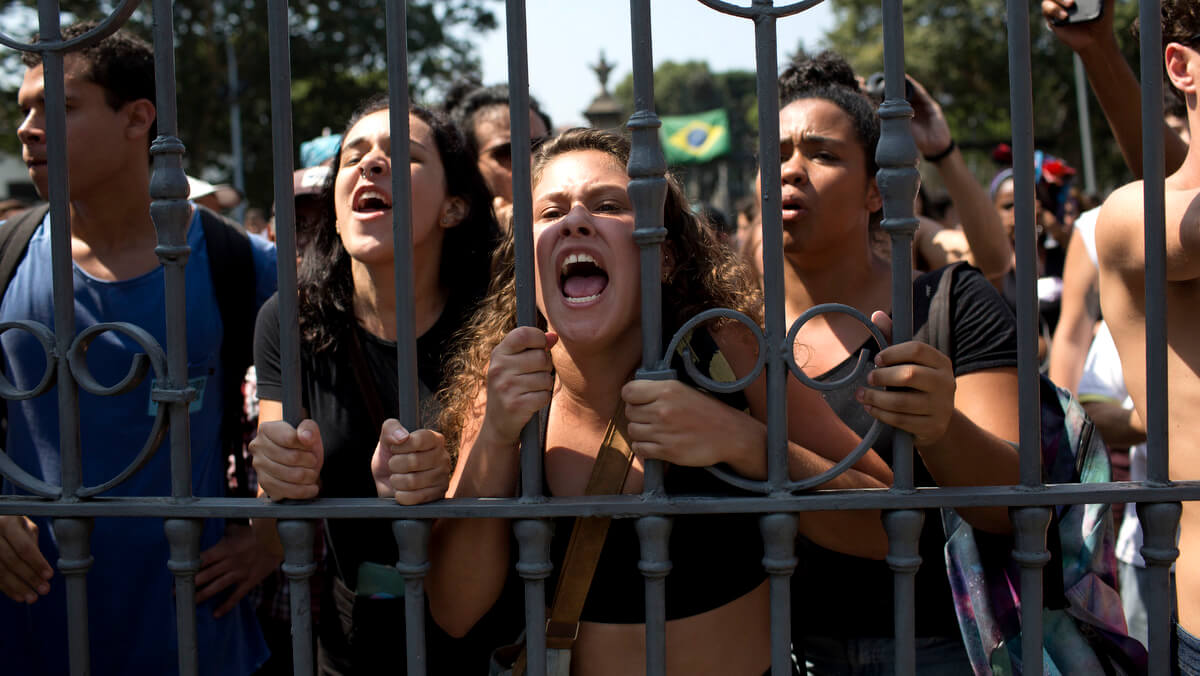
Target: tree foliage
{"points": [[959, 51], [338, 57]]}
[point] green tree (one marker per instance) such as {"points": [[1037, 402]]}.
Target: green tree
{"points": [[959, 51], [339, 57], [691, 87]]}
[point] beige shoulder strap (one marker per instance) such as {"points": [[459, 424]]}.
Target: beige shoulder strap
{"points": [[609, 472]]}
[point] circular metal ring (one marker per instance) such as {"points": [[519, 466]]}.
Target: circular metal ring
{"points": [[153, 355], [763, 487], [863, 361], [844, 464], [752, 12], [105, 28], [703, 380], [739, 481], [45, 337]]}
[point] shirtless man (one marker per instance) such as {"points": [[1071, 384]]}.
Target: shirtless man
{"points": [[1121, 248]]}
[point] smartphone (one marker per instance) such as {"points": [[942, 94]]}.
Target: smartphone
{"points": [[1082, 12]]}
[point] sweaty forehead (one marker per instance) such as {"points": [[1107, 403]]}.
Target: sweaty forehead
{"points": [[580, 171]]}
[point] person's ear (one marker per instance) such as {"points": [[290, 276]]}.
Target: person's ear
{"points": [[454, 210], [874, 198], [1183, 67], [140, 116]]}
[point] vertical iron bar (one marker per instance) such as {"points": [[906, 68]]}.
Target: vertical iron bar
{"points": [[171, 215], [1031, 536], [1030, 525], [1021, 95], [648, 192], [518, 74], [775, 320], [60, 246], [533, 565], [654, 535], [1160, 524], [74, 561], [898, 179], [903, 528], [1154, 176], [406, 339], [533, 536], [296, 536], [779, 560], [411, 536], [298, 565], [280, 55], [75, 557], [183, 536]]}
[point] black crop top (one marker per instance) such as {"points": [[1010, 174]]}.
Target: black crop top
{"points": [[715, 559]]}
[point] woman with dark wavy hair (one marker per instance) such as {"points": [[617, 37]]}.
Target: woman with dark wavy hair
{"points": [[579, 361], [344, 447]]}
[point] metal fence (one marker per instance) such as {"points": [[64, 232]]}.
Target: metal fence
{"points": [[73, 506]]}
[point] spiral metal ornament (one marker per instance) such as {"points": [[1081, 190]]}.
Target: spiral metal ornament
{"points": [[863, 362], [708, 383], [9, 469], [105, 28], [760, 8], [154, 357], [702, 379], [45, 337]]}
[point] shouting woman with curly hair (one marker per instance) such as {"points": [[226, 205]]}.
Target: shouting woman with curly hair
{"points": [[579, 361]]}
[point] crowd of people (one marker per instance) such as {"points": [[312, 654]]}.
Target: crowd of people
{"points": [[481, 378]]}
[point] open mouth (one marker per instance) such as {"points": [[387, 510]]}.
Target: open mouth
{"points": [[581, 279], [371, 202], [792, 206]]}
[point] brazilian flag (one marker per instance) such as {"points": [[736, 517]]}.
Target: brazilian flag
{"points": [[694, 139]]}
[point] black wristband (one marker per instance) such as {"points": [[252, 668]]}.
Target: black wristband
{"points": [[942, 155]]}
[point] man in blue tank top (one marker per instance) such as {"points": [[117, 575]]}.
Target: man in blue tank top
{"points": [[117, 277]]}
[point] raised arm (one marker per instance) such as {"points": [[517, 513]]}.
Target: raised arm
{"points": [[990, 249], [1113, 81]]}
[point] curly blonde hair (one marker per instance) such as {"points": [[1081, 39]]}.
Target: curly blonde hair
{"points": [[704, 274]]}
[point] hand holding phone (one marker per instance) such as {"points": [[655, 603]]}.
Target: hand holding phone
{"points": [[1080, 11]]}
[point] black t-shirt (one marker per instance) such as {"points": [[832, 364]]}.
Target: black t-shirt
{"points": [[845, 596], [332, 396]]}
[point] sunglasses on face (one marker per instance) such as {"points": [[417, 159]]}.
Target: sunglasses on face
{"points": [[502, 152]]}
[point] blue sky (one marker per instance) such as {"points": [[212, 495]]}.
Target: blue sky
{"points": [[565, 36]]}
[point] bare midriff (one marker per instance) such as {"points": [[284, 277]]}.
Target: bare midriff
{"points": [[733, 639]]}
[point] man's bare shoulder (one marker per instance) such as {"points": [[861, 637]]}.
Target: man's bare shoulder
{"points": [[1119, 227]]}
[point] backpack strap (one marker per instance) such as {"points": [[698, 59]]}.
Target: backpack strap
{"points": [[937, 331], [14, 241], [231, 267]]}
